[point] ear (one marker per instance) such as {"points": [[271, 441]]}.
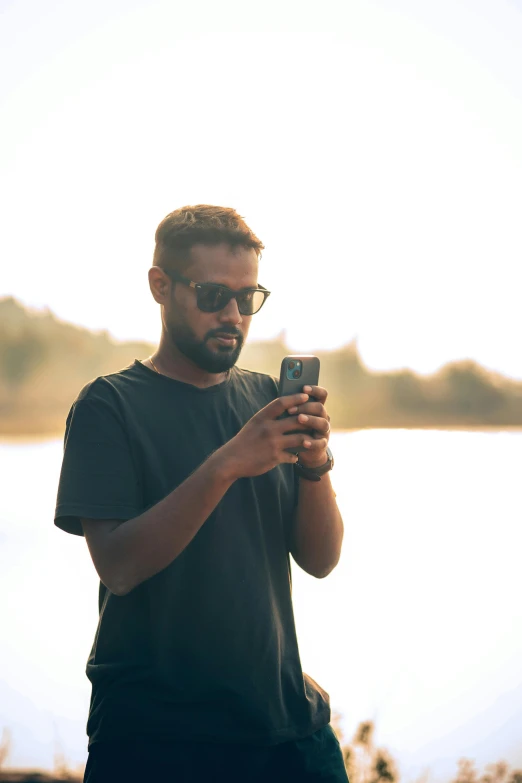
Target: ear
{"points": [[160, 285]]}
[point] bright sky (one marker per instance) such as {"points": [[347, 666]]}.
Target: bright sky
{"points": [[375, 147]]}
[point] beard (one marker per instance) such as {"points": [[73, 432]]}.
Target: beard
{"points": [[198, 351]]}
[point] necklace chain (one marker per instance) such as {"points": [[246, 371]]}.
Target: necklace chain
{"points": [[150, 360]]}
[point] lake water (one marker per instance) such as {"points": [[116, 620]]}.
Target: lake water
{"points": [[418, 629]]}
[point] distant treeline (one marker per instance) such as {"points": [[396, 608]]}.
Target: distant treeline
{"points": [[44, 362]]}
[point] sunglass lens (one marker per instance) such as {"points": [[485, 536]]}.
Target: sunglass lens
{"points": [[212, 299], [250, 302]]}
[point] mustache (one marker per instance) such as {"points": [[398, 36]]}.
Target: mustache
{"points": [[229, 332]]}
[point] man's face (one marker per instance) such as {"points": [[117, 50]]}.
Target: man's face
{"points": [[213, 341]]}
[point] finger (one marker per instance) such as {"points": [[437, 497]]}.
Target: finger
{"points": [[290, 424], [280, 405], [318, 444], [325, 435], [297, 441], [319, 392], [289, 457], [314, 408], [317, 423]]}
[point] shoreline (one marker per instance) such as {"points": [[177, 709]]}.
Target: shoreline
{"points": [[23, 438]]}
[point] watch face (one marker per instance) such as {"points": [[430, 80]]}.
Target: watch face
{"points": [[330, 455]]}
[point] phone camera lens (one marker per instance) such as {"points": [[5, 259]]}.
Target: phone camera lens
{"points": [[291, 365], [296, 373]]}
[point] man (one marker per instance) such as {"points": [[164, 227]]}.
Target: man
{"points": [[178, 472]]}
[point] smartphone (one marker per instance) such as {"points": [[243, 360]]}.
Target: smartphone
{"points": [[296, 372]]}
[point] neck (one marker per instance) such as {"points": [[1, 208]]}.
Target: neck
{"points": [[170, 361]]}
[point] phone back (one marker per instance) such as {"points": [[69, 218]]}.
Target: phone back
{"points": [[298, 371]]}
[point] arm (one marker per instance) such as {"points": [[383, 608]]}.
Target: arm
{"points": [[318, 530], [126, 554]]}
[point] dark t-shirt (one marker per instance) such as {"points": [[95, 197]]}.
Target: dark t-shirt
{"points": [[206, 649]]}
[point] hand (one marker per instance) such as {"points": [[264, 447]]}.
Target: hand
{"points": [[263, 443], [314, 416]]}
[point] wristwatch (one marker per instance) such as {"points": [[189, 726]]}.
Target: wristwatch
{"points": [[314, 474]]}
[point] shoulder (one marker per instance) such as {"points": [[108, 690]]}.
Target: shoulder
{"points": [[106, 390], [256, 382], [102, 404], [104, 387]]}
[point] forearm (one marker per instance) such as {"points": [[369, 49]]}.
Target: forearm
{"points": [[318, 528], [148, 543]]}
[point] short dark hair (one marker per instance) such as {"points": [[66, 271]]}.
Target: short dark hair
{"points": [[202, 223]]}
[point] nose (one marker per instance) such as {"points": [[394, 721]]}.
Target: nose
{"points": [[230, 314]]}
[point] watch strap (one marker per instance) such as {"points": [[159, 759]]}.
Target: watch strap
{"points": [[314, 474], [306, 473]]}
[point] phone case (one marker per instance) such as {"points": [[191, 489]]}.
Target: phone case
{"points": [[309, 377]]}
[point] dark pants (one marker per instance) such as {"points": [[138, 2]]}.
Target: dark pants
{"points": [[314, 758]]}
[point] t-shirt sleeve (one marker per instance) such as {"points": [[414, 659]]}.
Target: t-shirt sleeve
{"points": [[98, 477]]}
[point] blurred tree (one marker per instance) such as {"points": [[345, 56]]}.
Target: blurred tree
{"points": [[469, 390], [383, 768], [406, 390], [20, 357], [363, 761], [495, 773], [44, 363], [466, 772], [5, 746]]}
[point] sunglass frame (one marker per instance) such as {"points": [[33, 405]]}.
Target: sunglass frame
{"points": [[231, 294]]}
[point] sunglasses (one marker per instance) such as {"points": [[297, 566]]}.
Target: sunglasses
{"points": [[212, 297]]}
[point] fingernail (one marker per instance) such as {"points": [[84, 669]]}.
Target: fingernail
{"points": [[302, 417], [292, 410], [307, 388], [308, 443]]}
